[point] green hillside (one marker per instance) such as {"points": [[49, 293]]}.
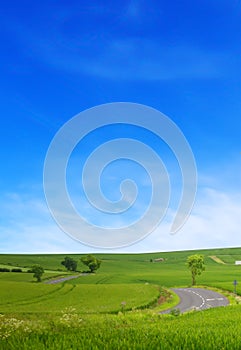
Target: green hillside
{"points": [[119, 306], [138, 268]]}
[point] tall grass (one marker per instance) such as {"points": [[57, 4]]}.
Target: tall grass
{"points": [[207, 330]]}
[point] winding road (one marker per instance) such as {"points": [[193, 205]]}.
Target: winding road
{"points": [[190, 298], [198, 299], [63, 279]]}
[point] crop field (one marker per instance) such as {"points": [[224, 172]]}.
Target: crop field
{"points": [[85, 299], [119, 306]]}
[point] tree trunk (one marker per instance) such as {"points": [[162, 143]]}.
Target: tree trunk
{"points": [[193, 279]]}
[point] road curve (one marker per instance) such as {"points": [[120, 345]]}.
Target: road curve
{"points": [[198, 299], [63, 279]]}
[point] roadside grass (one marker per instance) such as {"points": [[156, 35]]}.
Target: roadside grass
{"points": [[210, 329], [233, 298], [167, 300]]}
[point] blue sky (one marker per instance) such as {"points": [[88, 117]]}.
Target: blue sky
{"points": [[59, 58]]}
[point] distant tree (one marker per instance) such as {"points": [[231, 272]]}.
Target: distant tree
{"points": [[37, 271], [16, 270], [91, 261], [196, 265], [69, 263], [4, 269]]}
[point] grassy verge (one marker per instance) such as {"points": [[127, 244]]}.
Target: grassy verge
{"points": [[233, 298], [210, 329]]}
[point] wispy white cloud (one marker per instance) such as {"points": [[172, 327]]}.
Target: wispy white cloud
{"points": [[214, 222], [123, 58], [134, 59], [27, 226]]}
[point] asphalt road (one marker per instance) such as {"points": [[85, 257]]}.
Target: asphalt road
{"points": [[198, 299], [63, 279]]}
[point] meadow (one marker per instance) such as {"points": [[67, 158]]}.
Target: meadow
{"points": [[207, 330], [119, 306]]}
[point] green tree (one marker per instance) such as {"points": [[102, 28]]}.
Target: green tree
{"points": [[91, 261], [196, 265], [37, 271], [69, 263]]}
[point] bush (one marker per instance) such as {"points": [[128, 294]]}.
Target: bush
{"points": [[17, 270], [175, 312], [4, 269]]}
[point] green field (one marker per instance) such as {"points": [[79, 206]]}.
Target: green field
{"points": [[207, 330], [119, 305], [85, 299]]}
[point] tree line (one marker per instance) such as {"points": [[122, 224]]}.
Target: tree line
{"points": [[70, 264], [89, 260], [195, 264]]}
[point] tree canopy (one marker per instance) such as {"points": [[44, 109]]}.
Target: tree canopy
{"points": [[196, 265], [91, 261], [69, 263], [37, 271]]}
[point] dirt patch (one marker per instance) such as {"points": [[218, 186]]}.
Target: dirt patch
{"points": [[165, 296], [157, 260], [161, 300], [216, 259]]}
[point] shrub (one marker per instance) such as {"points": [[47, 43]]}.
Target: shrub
{"points": [[16, 270], [175, 312], [4, 269]]}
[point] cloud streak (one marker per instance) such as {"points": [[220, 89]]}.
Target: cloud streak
{"points": [[134, 59], [112, 56], [214, 222]]}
